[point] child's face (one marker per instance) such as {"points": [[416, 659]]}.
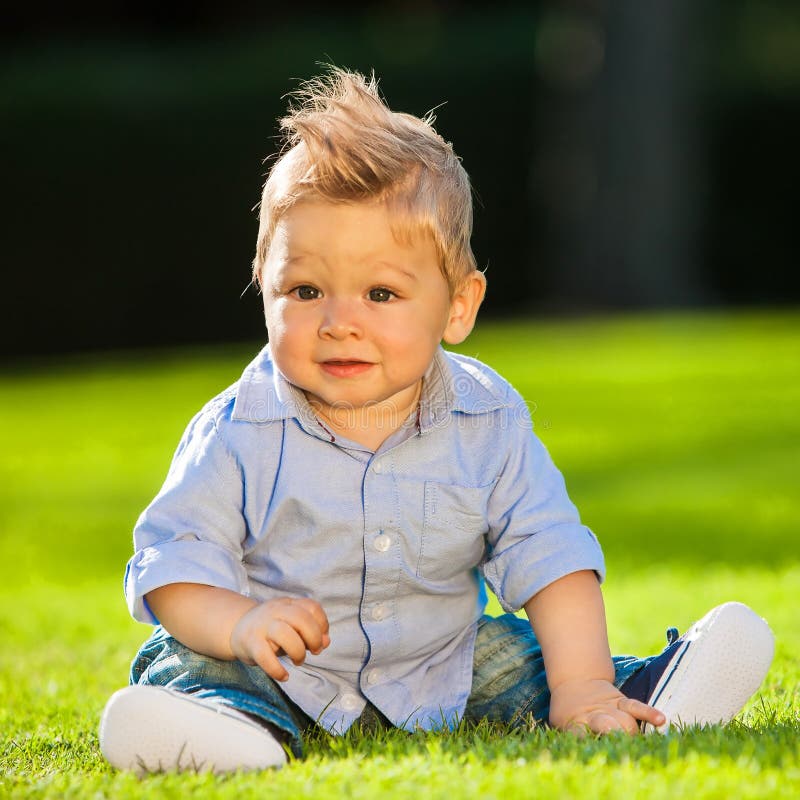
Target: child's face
{"points": [[354, 317]]}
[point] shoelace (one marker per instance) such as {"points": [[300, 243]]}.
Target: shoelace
{"points": [[672, 636]]}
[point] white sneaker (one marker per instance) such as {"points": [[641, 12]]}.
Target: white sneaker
{"points": [[152, 729], [716, 666]]}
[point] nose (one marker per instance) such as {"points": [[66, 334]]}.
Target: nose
{"points": [[339, 320]]}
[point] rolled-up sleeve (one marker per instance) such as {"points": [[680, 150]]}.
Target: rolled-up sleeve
{"points": [[535, 535], [193, 530]]}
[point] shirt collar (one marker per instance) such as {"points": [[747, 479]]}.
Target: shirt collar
{"points": [[263, 394], [452, 383], [459, 384]]}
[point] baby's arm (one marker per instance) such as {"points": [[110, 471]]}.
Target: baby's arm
{"points": [[569, 620], [227, 625]]}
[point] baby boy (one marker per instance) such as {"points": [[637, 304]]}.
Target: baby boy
{"points": [[319, 551]]}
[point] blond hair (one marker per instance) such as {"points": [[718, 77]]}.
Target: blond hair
{"points": [[344, 144]]}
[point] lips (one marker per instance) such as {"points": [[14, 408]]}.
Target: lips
{"points": [[345, 368]]}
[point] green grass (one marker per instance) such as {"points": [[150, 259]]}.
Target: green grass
{"points": [[679, 436]]}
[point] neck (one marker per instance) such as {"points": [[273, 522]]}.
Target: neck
{"points": [[371, 424]]}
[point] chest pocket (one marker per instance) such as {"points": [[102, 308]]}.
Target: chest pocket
{"points": [[454, 529]]}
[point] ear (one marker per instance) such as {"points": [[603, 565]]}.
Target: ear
{"points": [[464, 308]]}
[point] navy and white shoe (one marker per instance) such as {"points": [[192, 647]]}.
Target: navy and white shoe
{"points": [[708, 674]]}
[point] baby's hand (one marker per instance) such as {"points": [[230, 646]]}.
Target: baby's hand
{"points": [[599, 707], [285, 624]]}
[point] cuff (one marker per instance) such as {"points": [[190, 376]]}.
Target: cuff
{"points": [[518, 573], [179, 562]]}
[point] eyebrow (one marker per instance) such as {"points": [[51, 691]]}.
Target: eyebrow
{"points": [[412, 276], [408, 274], [299, 257]]}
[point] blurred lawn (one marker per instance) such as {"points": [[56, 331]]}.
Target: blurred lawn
{"points": [[678, 434]]}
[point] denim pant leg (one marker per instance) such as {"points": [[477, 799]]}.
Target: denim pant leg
{"points": [[508, 677], [164, 661]]}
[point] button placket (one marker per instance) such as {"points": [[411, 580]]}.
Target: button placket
{"points": [[381, 542]]}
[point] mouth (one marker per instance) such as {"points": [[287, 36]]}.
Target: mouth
{"points": [[345, 368]]}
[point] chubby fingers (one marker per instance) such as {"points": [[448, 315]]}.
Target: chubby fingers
{"points": [[641, 711], [283, 637], [282, 625], [602, 722], [625, 717], [319, 617], [263, 655], [308, 620], [614, 720]]}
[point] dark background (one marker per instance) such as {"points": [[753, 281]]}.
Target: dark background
{"points": [[624, 154]]}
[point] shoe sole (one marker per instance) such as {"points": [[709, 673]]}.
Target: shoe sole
{"points": [[153, 729], [724, 659]]}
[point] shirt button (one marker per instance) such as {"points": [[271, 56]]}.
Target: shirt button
{"points": [[349, 702], [374, 676], [377, 467], [379, 612], [383, 542]]}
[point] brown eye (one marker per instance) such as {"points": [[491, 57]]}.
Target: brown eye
{"points": [[307, 292], [380, 295]]}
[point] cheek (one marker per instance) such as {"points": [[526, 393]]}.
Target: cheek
{"points": [[292, 334], [275, 316], [428, 323], [411, 340]]}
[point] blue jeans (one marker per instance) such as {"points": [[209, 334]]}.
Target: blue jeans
{"points": [[508, 679]]}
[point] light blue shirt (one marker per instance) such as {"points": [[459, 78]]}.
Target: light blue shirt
{"points": [[394, 544]]}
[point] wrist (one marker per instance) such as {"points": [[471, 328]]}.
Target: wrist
{"points": [[600, 672], [570, 683], [237, 627]]}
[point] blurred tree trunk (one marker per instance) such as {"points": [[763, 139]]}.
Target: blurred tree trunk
{"points": [[617, 170]]}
